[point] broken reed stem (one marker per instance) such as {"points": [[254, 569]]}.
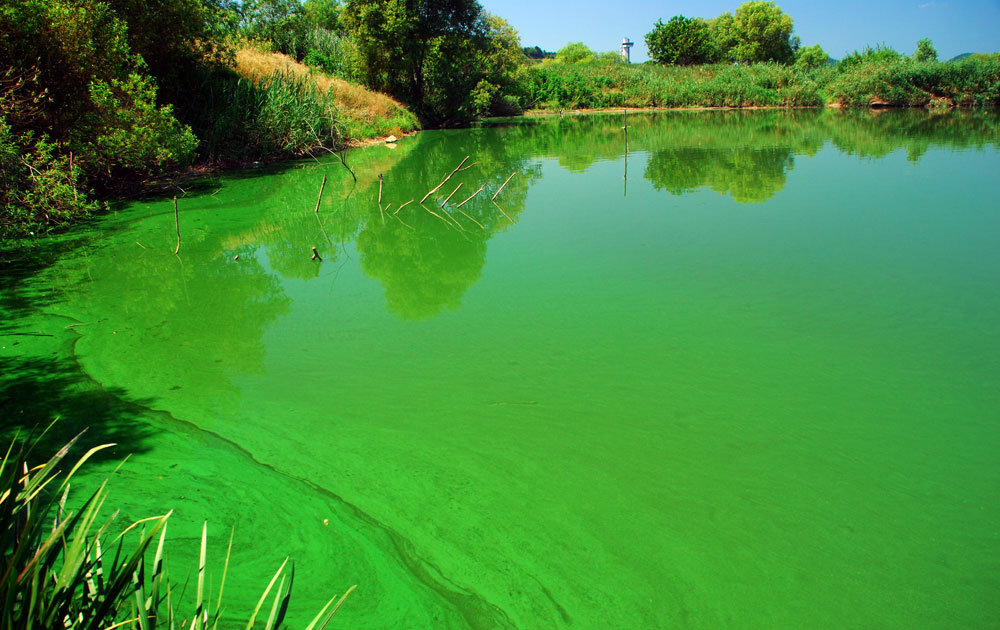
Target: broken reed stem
{"points": [[433, 190], [504, 185], [401, 207], [320, 198], [469, 217], [177, 225], [471, 196], [380, 190], [452, 194], [502, 212]]}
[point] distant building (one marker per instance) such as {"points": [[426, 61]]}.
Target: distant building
{"points": [[626, 47]]}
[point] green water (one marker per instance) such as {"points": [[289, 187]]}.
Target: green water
{"points": [[744, 375]]}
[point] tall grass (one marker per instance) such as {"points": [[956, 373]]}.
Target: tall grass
{"points": [[63, 568], [364, 114], [600, 85], [896, 80]]}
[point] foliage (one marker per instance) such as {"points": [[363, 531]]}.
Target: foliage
{"points": [[39, 189], [811, 57], [566, 86], [575, 52], [681, 41], [925, 51], [447, 59], [758, 31], [57, 569], [886, 77]]}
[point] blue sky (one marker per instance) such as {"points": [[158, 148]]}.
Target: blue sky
{"points": [[839, 27]]}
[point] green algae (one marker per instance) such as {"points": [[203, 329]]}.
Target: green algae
{"points": [[748, 382]]}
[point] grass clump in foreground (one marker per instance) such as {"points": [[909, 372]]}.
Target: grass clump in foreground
{"points": [[63, 568]]}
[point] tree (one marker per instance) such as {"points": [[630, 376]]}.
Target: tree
{"points": [[398, 40], [681, 41], [925, 51], [575, 52], [811, 57], [758, 31]]}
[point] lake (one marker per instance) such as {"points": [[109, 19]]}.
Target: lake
{"points": [[720, 369]]}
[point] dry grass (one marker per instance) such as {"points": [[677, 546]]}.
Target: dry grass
{"points": [[358, 104]]}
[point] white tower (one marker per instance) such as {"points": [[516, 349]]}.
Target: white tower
{"points": [[626, 46]]}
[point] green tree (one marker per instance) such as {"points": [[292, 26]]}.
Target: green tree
{"points": [[575, 52], [810, 57], [681, 41], [432, 55], [758, 31], [925, 51]]}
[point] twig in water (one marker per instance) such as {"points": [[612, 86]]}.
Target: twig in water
{"points": [[468, 167], [177, 224], [471, 196], [381, 213], [469, 217], [433, 190], [452, 194], [140, 244], [401, 207], [380, 190], [316, 255], [320, 198], [502, 212], [344, 162], [504, 185]]}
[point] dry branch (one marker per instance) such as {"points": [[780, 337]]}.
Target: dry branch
{"points": [[320, 198], [451, 195], [503, 186], [471, 196], [177, 225], [401, 207], [433, 190]]}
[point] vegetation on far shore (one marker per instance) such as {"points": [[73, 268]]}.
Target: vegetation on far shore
{"points": [[101, 96]]}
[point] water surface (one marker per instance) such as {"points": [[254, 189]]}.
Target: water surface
{"points": [[725, 370]]}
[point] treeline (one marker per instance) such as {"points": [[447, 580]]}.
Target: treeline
{"points": [[100, 96]]}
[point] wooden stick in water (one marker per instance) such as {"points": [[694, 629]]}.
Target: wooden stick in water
{"points": [[433, 190], [469, 217], [471, 196], [320, 198], [401, 207], [380, 190], [177, 224], [452, 194], [504, 184], [381, 213], [468, 167]]}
